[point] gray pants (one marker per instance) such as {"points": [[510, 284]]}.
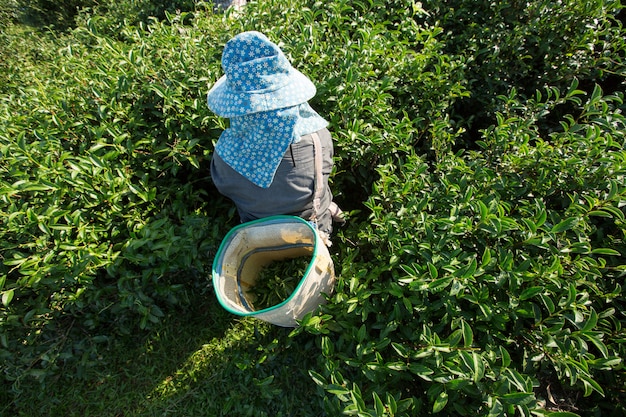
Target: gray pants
{"points": [[291, 192]]}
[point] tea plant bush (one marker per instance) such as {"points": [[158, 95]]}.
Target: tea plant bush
{"points": [[485, 278], [528, 46], [66, 15], [386, 86], [43, 12], [102, 222], [480, 156]]}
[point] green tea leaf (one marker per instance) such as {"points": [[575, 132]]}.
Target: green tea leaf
{"points": [[441, 283], [599, 213], [440, 402], [7, 297], [565, 225], [337, 389], [605, 251], [591, 322], [420, 370], [317, 378], [486, 258], [432, 270], [468, 334], [530, 292], [590, 385], [517, 398], [379, 407]]}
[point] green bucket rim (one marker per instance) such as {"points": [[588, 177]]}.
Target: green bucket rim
{"points": [[216, 268]]}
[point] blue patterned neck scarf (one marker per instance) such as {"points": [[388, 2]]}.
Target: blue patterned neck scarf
{"points": [[255, 144]]}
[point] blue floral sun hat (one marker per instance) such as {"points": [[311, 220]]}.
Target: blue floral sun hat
{"points": [[257, 78], [266, 100]]}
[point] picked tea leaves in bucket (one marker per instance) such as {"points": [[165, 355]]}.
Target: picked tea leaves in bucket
{"points": [[250, 247], [277, 281]]}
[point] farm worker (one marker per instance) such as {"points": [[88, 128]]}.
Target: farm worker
{"points": [[264, 161]]}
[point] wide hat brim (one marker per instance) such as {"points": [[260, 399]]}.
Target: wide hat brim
{"points": [[227, 102]]}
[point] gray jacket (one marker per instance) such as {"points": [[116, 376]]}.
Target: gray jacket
{"points": [[291, 192]]}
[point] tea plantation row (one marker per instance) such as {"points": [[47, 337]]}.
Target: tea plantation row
{"points": [[480, 156]]}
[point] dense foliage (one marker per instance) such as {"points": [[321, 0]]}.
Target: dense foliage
{"points": [[480, 156], [492, 274]]}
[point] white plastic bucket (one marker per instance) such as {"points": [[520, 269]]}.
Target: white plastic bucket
{"points": [[250, 246]]}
